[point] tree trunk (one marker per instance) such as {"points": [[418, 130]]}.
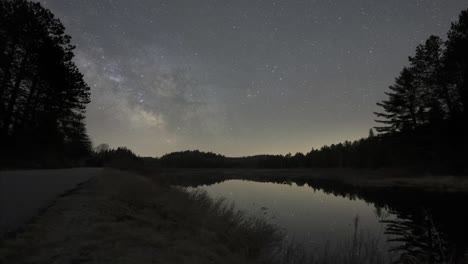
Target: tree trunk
{"points": [[6, 70], [14, 96], [25, 118]]}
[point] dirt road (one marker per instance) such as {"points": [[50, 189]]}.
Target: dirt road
{"points": [[24, 193]]}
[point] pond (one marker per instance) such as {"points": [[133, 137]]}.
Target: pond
{"points": [[328, 216]]}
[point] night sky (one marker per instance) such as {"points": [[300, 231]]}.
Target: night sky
{"points": [[242, 77]]}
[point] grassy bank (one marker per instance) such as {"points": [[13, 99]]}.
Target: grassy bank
{"points": [[121, 217]]}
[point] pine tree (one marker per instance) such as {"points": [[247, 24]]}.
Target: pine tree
{"points": [[427, 68], [456, 62], [42, 93], [401, 107]]}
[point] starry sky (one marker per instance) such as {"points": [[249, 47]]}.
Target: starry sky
{"points": [[242, 77]]}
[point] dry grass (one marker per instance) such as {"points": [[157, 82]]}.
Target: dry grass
{"points": [[360, 248]]}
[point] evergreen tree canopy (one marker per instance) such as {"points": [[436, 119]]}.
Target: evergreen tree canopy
{"points": [[42, 93], [456, 63], [433, 88], [402, 104]]}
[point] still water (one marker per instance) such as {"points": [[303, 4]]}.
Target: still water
{"points": [[306, 215], [326, 215]]}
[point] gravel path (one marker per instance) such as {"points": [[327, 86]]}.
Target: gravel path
{"points": [[24, 193]]}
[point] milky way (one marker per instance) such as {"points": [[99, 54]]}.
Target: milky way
{"points": [[242, 77]]}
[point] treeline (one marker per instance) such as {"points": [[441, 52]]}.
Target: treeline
{"points": [[192, 159], [374, 152], [42, 93], [120, 158]]}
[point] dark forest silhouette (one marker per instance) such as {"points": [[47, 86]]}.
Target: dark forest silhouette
{"points": [[42, 93]]}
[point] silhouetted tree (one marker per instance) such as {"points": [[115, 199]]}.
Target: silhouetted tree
{"points": [[422, 94], [402, 106], [42, 93], [424, 115], [427, 67], [456, 63], [193, 159], [102, 148]]}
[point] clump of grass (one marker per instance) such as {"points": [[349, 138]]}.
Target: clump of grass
{"points": [[253, 237]]}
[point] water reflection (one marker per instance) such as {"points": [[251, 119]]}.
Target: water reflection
{"points": [[418, 240], [421, 227]]}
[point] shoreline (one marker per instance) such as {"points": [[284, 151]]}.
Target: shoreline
{"points": [[364, 178]]}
